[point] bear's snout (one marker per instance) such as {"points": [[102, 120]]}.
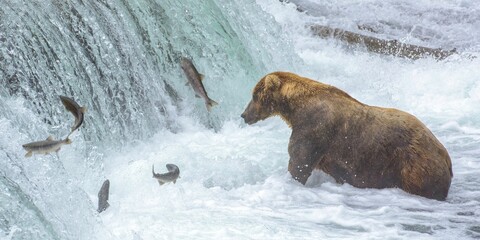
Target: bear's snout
{"points": [[247, 115], [246, 118]]}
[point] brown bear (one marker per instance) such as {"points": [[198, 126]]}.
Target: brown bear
{"points": [[365, 146]]}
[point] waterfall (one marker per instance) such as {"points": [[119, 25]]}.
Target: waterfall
{"points": [[120, 59]]}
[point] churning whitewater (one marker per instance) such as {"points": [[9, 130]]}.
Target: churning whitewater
{"points": [[121, 60]]}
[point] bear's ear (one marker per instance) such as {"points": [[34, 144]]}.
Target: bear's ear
{"points": [[272, 82]]}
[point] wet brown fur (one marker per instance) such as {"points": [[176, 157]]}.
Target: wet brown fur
{"points": [[365, 146]]}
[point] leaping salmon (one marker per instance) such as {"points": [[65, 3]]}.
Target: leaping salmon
{"points": [[76, 110], [45, 146], [103, 196], [195, 80], [171, 176]]}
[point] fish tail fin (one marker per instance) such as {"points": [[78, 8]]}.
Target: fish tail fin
{"points": [[153, 171], [28, 154], [211, 104], [83, 109]]}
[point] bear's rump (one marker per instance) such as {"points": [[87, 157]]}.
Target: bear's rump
{"points": [[421, 168]]}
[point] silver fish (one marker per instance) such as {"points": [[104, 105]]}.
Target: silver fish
{"points": [[75, 109], [103, 196], [171, 176], [195, 80], [45, 147]]}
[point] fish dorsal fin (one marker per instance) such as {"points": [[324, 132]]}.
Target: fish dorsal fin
{"points": [[50, 138], [201, 77]]}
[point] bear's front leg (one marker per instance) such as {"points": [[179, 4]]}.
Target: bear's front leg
{"points": [[299, 172], [302, 161]]}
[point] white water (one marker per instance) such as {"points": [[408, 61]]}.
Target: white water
{"points": [[234, 182], [235, 185]]}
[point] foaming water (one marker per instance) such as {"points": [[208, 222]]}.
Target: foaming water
{"points": [[120, 59], [234, 185], [446, 24], [234, 182]]}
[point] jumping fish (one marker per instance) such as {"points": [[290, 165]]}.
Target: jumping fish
{"points": [[103, 196], [75, 109], [171, 176], [45, 147], [195, 80]]}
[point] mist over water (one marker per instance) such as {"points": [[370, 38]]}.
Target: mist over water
{"points": [[120, 59]]}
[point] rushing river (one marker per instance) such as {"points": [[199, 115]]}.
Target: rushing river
{"points": [[120, 59]]}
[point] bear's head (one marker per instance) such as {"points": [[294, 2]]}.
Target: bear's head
{"points": [[265, 100]]}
